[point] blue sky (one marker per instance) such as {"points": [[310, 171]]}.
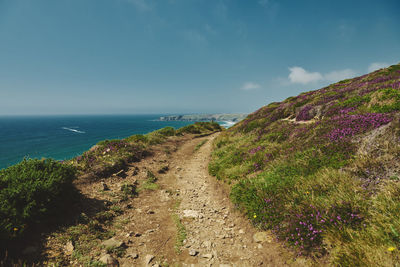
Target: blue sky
{"points": [[184, 56]]}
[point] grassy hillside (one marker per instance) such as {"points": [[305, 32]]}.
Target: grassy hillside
{"points": [[322, 170]]}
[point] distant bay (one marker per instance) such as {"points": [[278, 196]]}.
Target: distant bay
{"points": [[64, 137]]}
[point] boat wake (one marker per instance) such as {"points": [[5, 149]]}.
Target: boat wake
{"points": [[73, 130]]}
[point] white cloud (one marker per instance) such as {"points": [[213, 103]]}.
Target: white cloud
{"points": [[377, 65], [247, 86], [338, 75], [300, 75]]}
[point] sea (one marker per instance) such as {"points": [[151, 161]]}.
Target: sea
{"points": [[65, 137]]}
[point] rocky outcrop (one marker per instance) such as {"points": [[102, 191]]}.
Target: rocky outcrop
{"points": [[205, 117]]}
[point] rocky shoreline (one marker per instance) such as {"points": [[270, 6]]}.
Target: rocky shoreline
{"points": [[205, 117]]}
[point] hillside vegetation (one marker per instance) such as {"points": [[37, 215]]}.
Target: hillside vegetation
{"points": [[322, 170], [110, 156]]}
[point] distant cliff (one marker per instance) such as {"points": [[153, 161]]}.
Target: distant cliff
{"points": [[205, 117]]}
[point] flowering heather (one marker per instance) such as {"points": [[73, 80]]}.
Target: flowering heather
{"points": [[304, 230], [380, 79], [350, 125], [304, 114], [255, 150], [345, 111], [327, 99]]}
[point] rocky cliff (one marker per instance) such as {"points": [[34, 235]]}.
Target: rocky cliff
{"points": [[205, 117]]}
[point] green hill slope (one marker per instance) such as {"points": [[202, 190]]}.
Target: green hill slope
{"points": [[322, 170]]}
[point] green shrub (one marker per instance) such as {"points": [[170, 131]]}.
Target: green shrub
{"points": [[30, 192], [189, 129], [355, 101], [166, 131], [136, 138], [199, 128]]}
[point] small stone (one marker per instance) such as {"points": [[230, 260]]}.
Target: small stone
{"points": [[207, 256], [261, 237], [260, 246], [150, 231], [193, 252], [69, 247], [224, 265], [190, 214], [112, 242], [241, 231], [109, 260], [137, 234], [150, 212], [207, 244], [148, 258]]}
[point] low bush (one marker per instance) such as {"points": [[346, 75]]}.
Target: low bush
{"points": [[166, 131], [199, 128], [30, 192]]}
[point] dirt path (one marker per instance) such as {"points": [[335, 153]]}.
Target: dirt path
{"points": [[216, 234], [185, 218]]}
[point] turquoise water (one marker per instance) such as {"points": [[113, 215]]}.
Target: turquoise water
{"points": [[64, 137]]}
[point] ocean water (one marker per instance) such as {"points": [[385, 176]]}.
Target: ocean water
{"points": [[64, 137]]}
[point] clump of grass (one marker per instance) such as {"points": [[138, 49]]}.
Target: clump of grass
{"points": [[180, 228], [150, 182], [128, 190], [117, 209], [85, 238]]}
